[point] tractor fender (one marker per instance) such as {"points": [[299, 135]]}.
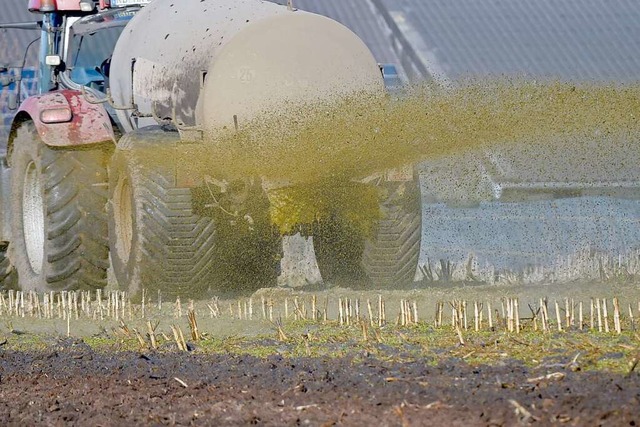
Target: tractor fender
{"points": [[86, 123]]}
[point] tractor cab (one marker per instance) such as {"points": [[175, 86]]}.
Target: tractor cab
{"points": [[78, 38], [91, 40]]}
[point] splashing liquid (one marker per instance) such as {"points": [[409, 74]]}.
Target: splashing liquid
{"points": [[320, 147], [313, 158], [364, 135]]}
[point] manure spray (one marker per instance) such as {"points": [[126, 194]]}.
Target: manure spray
{"points": [[311, 158], [359, 136]]}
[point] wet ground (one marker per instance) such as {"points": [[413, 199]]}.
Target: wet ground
{"points": [[322, 373], [69, 383]]}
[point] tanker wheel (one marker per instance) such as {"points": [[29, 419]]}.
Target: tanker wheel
{"points": [[157, 242], [59, 224], [386, 259]]}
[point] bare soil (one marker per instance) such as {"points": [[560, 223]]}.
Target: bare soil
{"points": [[69, 383]]}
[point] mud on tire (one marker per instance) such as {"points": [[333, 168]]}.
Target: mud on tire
{"points": [[59, 224], [157, 241]]}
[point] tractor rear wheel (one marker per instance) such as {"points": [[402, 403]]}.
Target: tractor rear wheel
{"points": [[386, 258], [157, 241], [59, 224]]}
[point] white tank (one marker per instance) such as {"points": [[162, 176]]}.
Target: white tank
{"points": [[203, 62]]}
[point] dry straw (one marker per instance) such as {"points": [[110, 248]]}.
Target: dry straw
{"points": [[606, 315]]}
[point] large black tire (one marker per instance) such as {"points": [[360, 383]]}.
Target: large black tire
{"points": [[59, 224], [157, 241], [164, 237], [388, 257]]}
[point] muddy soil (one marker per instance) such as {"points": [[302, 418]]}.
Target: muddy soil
{"points": [[71, 384]]}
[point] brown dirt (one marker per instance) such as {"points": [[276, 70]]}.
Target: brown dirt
{"points": [[71, 384]]}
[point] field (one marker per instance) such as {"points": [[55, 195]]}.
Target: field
{"points": [[331, 357], [493, 192]]}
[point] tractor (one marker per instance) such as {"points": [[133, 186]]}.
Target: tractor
{"points": [[105, 166]]}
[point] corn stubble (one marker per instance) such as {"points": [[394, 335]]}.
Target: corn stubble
{"points": [[602, 315]]}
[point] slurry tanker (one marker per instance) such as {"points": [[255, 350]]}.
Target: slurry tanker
{"points": [[103, 168]]}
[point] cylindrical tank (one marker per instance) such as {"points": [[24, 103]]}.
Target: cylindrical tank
{"points": [[202, 62]]}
